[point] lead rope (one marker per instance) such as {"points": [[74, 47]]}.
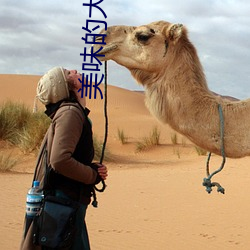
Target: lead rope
{"points": [[207, 181], [105, 111], [94, 202]]}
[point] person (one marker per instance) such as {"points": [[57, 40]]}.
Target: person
{"points": [[70, 146]]}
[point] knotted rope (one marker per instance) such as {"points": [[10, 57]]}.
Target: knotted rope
{"points": [[94, 202], [207, 181]]}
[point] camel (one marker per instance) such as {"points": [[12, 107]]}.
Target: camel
{"points": [[162, 59]]}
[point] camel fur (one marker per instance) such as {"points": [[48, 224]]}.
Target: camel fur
{"points": [[161, 57]]}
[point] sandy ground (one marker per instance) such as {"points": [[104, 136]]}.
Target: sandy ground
{"points": [[154, 200]]}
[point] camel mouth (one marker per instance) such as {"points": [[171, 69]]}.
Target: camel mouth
{"points": [[108, 49]]}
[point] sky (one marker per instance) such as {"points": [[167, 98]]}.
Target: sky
{"points": [[38, 35]]}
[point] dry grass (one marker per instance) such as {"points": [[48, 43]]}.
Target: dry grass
{"points": [[121, 136], [147, 142], [98, 145], [7, 162], [200, 151], [19, 126], [31, 136], [174, 139], [13, 118]]}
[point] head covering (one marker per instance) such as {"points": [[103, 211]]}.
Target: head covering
{"points": [[52, 87]]}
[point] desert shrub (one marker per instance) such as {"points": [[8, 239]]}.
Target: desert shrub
{"points": [[121, 136], [177, 151], [13, 118], [98, 145], [21, 127], [155, 136], [143, 145], [7, 162], [152, 140], [200, 151], [32, 134], [174, 139]]}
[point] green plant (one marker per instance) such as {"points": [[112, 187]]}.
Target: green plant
{"points": [[13, 118], [155, 136], [200, 151], [147, 142], [174, 139], [121, 136], [32, 134], [177, 151], [98, 145], [142, 145], [21, 127], [7, 162]]}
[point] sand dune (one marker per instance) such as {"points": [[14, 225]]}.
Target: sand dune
{"points": [[154, 199]]}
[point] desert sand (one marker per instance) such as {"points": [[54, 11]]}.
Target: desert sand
{"points": [[154, 199]]}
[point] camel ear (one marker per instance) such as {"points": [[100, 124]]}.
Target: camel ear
{"points": [[174, 32]]}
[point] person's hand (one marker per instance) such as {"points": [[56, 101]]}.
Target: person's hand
{"points": [[101, 170]]}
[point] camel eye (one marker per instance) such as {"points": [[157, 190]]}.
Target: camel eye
{"points": [[142, 37]]}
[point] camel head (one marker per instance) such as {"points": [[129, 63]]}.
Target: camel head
{"points": [[145, 50]]}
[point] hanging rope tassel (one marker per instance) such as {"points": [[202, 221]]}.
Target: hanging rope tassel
{"points": [[94, 202], [207, 181]]}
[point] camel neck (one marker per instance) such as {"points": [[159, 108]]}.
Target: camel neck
{"points": [[189, 109]]}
